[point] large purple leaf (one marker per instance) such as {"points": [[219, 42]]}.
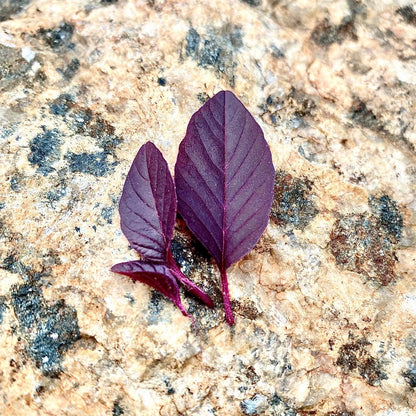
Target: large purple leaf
{"points": [[224, 179], [148, 205], [158, 276]]}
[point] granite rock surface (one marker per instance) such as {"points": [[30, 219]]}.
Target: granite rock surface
{"points": [[325, 304]]}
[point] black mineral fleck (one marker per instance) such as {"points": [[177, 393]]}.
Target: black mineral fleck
{"points": [[408, 13], [92, 163], [12, 264], [117, 409], [389, 215], [363, 116], [277, 52], [7, 129], [210, 54], [216, 50], [246, 308], [50, 329], [252, 2], [45, 151], [61, 105], [192, 43], [354, 356], [364, 244], [83, 121], [16, 183], [69, 72], [107, 213], [80, 119], [203, 97], [59, 38], [371, 371], [56, 193], [303, 103], [280, 407], [156, 305], [293, 203], [169, 389], [104, 133], [27, 304], [410, 375], [325, 33], [3, 307]]}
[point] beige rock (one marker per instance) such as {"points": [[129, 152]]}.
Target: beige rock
{"points": [[83, 84]]}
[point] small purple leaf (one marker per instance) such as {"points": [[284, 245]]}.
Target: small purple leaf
{"points": [[158, 276], [148, 205], [224, 179], [147, 217]]}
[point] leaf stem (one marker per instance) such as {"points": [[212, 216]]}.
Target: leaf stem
{"points": [[226, 298], [188, 284]]}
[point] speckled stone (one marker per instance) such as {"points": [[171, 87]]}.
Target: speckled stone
{"points": [[325, 304]]}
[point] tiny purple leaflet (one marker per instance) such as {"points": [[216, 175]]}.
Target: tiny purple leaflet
{"points": [[147, 217], [224, 179]]}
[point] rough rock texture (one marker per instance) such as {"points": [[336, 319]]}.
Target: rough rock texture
{"points": [[325, 304]]}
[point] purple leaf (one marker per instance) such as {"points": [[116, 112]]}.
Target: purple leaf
{"points": [[147, 216], [158, 276], [148, 205], [224, 179]]}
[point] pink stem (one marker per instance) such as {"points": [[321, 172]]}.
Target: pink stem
{"points": [[189, 285], [226, 298]]}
